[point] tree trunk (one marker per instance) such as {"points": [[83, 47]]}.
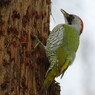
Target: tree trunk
{"points": [[22, 67]]}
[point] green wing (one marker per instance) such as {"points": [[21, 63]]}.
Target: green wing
{"points": [[55, 38], [53, 43]]}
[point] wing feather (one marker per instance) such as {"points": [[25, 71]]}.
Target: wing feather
{"points": [[55, 38]]}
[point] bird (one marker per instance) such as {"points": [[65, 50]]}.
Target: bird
{"points": [[61, 47]]}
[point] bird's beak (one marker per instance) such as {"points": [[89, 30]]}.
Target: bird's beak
{"points": [[64, 13]]}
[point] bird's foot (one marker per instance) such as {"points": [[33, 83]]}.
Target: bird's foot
{"points": [[39, 42]]}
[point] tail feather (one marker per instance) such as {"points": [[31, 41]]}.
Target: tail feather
{"points": [[47, 82]]}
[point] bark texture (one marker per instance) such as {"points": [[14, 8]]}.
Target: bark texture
{"points": [[22, 68]]}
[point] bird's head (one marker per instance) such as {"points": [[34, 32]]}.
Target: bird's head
{"points": [[73, 20]]}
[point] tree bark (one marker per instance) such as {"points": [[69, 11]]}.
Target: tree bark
{"points": [[23, 67]]}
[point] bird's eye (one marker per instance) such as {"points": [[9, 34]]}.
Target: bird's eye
{"points": [[71, 17]]}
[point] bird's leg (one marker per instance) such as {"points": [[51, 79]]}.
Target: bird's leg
{"points": [[39, 42]]}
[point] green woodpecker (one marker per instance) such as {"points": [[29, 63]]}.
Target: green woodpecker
{"points": [[61, 47]]}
